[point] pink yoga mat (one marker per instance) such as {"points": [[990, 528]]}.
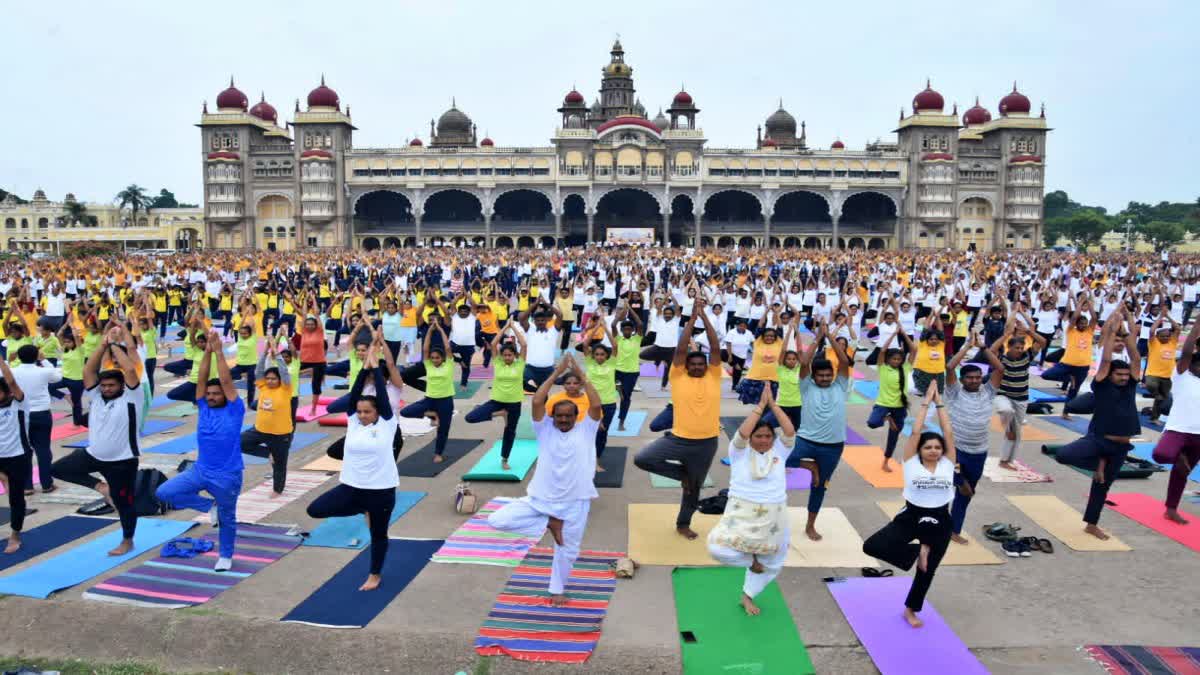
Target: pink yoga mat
{"points": [[338, 420], [799, 479], [303, 414], [1149, 512], [65, 431], [480, 373], [874, 608]]}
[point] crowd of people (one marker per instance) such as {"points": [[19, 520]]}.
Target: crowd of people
{"points": [[958, 334]]}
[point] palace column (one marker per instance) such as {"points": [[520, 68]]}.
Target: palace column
{"points": [[836, 215], [767, 230], [591, 223], [558, 228], [417, 216], [666, 235], [487, 227]]}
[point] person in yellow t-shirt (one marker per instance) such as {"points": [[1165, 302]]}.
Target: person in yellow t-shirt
{"points": [[1072, 369], [1160, 362]]}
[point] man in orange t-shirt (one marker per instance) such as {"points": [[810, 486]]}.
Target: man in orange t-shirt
{"points": [[1072, 369]]}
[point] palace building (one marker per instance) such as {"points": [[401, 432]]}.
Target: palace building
{"points": [[42, 225], [974, 180]]}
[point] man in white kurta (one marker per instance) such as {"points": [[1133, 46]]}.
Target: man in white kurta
{"points": [[561, 491]]}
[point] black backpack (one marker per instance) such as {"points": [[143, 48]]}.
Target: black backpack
{"points": [[715, 504], [144, 486]]}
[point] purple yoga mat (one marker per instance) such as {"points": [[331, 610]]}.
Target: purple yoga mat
{"points": [[480, 373], [855, 438], [874, 608], [799, 479], [651, 370]]}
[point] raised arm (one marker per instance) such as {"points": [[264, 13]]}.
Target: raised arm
{"points": [[951, 368], [843, 359], [595, 408], [15, 390], [685, 338], [538, 404], [1189, 348], [914, 438], [124, 360], [710, 332]]}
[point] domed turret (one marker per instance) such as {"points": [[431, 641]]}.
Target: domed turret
{"points": [[1015, 103], [415, 143], [231, 99], [838, 145], [487, 143], [572, 98], [322, 97], [661, 121], [781, 123], [976, 115], [928, 100], [454, 129], [264, 111]]}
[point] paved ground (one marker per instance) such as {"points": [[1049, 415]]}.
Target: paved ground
{"points": [[1023, 616]]}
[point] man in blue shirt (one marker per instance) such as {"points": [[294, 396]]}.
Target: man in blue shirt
{"points": [[218, 467]]}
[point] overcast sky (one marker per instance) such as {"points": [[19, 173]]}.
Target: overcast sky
{"points": [[98, 95]]}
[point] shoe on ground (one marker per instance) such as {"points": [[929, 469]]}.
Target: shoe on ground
{"points": [[213, 518], [223, 565], [1012, 549], [1025, 549]]}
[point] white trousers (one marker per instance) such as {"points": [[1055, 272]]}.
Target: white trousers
{"points": [[772, 564], [528, 516]]}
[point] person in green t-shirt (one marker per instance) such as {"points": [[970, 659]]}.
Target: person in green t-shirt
{"points": [[247, 360], [891, 405], [72, 374], [508, 368], [600, 365], [48, 344], [788, 370], [438, 404], [626, 349]]}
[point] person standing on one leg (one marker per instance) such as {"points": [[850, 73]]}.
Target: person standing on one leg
{"points": [[755, 531], [626, 349], [1179, 445], [275, 423], [438, 404], [115, 406], [218, 467], [891, 405], [561, 491], [1160, 362], [1114, 422], [34, 377], [1072, 369], [14, 461], [507, 391], [600, 363], [1016, 355], [970, 402], [822, 433], [686, 452], [928, 489]]}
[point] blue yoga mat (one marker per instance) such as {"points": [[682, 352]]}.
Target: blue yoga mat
{"points": [[151, 427], [351, 531], [161, 400], [181, 444], [1146, 451], [53, 534], [90, 559], [339, 604], [306, 385], [633, 424], [868, 388], [1078, 425], [1039, 396]]}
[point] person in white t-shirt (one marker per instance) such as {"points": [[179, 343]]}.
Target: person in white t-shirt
{"points": [[928, 491], [1179, 445], [561, 491], [754, 531], [14, 463]]}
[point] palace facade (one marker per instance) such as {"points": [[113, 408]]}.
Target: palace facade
{"points": [[974, 180], [42, 225]]}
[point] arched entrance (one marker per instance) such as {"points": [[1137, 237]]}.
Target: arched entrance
{"points": [[625, 208], [801, 211], [975, 224], [522, 207], [791, 242], [410, 242], [187, 239], [391, 242], [504, 242], [525, 242], [876, 244], [478, 241], [746, 242], [274, 214], [725, 241], [812, 242], [682, 220], [868, 213], [546, 242], [857, 242], [451, 208], [458, 242], [733, 209], [706, 241], [371, 244], [383, 210], [574, 220]]}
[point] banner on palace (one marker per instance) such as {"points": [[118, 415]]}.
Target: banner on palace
{"points": [[631, 235]]}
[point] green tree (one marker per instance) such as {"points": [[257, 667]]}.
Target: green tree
{"points": [[164, 200], [1082, 228], [1058, 204], [77, 213], [5, 193], [1162, 234], [135, 198]]}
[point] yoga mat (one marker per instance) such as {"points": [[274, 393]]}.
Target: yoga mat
{"points": [[323, 463], [339, 604], [650, 370], [1038, 396], [50, 536], [718, 637], [182, 444], [653, 540], [730, 425], [1145, 451], [523, 626], [1023, 474], [613, 461], [338, 420], [840, 545], [1157, 426], [1130, 469], [798, 479], [524, 454], [1149, 512], [857, 399], [420, 464], [1076, 424], [150, 428], [855, 438], [867, 460], [187, 582], [463, 393], [633, 425], [303, 414], [874, 607], [662, 482], [477, 543], [66, 431], [351, 531], [161, 400], [1064, 523], [84, 561], [480, 373], [1140, 660], [1029, 432], [972, 553], [868, 388], [257, 503], [177, 410]]}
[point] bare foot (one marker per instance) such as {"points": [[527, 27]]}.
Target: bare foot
{"points": [[912, 618], [599, 469], [555, 525], [1066, 415], [886, 466], [559, 600], [621, 425], [276, 495], [812, 533], [756, 566], [124, 547], [748, 605], [438, 459], [686, 532], [1096, 532], [1006, 464], [959, 539], [14, 543], [371, 583], [1173, 516], [505, 465], [923, 558]]}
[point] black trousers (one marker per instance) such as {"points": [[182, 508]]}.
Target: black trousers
{"points": [[686, 460], [894, 545], [15, 469], [344, 500], [484, 412], [626, 382], [78, 467], [1085, 453], [275, 446]]}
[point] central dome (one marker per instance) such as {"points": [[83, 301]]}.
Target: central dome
{"points": [[454, 122]]}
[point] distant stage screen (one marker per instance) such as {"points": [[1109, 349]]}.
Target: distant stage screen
{"points": [[631, 235]]}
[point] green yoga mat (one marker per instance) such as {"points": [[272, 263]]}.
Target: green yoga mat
{"points": [[856, 398], [662, 482], [717, 636], [525, 426], [180, 410], [467, 391], [523, 455]]}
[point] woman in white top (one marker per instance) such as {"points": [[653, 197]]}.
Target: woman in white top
{"points": [[14, 463], [928, 490], [369, 477], [755, 532]]}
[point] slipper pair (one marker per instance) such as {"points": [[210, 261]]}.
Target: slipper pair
{"points": [[872, 572], [1000, 531], [1035, 544]]}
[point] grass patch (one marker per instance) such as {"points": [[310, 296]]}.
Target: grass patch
{"points": [[79, 667]]}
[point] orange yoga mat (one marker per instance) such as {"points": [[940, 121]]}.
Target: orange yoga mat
{"points": [[867, 460], [1029, 432]]}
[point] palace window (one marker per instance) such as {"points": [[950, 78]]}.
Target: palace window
{"points": [[485, 171], [521, 172], [503, 172], [716, 172], [862, 174], [468, 172], [541, 172], [772, 172], [433, 172], [379, 172], [362, 173], [754, 173], [414, 172], [787, 173]]}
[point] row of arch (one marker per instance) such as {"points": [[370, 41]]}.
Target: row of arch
{"points": [[373, 243]]}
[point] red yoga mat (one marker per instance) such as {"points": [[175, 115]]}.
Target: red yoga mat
{"points": [[66, 431], [338, 420], [1149, 512]]}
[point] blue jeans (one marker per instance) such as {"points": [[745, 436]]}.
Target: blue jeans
{"points": [[970, 469], [878, 418], [484, 411], [183, 492], [444, 407], [827, 456], [1073, 375]]}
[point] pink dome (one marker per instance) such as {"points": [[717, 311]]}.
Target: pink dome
{"points": [[416, 142], [928, 100], [232, 97], [573, 97], [487, 143], [976, 115], [322, 96], [838, 145], [682, 98], [264, 111], [1016, 102]]}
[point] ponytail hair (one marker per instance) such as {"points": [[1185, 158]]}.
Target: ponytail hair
{"points": [[899, 373]]}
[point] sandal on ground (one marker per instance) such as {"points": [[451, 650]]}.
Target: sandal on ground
{"points": [[872, 572], [1045, 545], [1000, 531]]}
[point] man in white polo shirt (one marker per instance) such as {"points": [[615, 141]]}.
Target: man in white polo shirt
{"points": [[115, 405], [541, 342], [34, 378]]}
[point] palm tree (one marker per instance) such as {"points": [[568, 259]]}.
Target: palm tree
{"points": [[135, 198], [77, 213]]}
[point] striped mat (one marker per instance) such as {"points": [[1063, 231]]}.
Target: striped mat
{"points": [[478, 543], [186, 582], [1139, 660], [524, 626], [258, 503]]}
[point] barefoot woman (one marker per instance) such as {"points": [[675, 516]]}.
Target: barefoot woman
{"points": [[754, 531], [928, 491]]}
